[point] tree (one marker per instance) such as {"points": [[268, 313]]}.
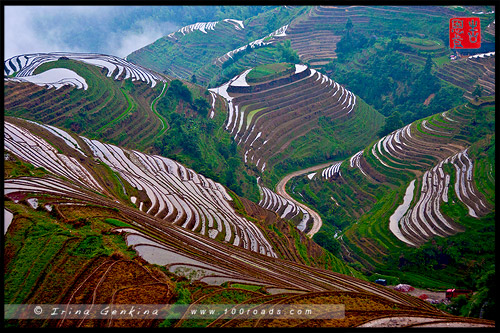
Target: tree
{"points": [[201, 106], [179, 91], [393, 122], [478, 92], [482, 303], [428, 65], [287, 53], [348, 24], [326, 239]]}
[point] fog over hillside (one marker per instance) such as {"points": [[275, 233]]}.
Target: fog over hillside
{"points": [[116, 30], [113, 30]]}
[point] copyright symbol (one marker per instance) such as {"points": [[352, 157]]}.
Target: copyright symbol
{"points": [[38, 310]]}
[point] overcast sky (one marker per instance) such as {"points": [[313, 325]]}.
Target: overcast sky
{"points": [[114, 30]]}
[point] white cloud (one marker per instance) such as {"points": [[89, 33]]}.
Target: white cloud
{"points": [[145, 32], [21, 35], [102, 29]]}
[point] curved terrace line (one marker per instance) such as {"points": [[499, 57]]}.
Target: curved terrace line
{"points": [[164, 124], [281, 190]]}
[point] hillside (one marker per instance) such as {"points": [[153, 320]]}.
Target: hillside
{"points": [[129, 106], [204, 51], [314, 33], [294, 117], [283, 157], [347, 43], [82, 233], [325, 26], [430, 182]]}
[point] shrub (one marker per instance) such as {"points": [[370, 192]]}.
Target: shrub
{"points": [[326, 240]]}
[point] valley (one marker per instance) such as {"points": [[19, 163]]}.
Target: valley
{"points": [[291, 156]]}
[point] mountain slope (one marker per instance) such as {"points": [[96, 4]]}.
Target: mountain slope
{"points": [[422, 183], [61, 211], [129, 106], [297, 116], [201, 49]]}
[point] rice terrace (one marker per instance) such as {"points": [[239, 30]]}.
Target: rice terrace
{"points": [[249, 166]]}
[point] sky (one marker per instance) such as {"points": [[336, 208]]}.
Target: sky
{"points": [[113, 30]]}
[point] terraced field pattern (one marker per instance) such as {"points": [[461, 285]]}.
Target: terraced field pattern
{"points": [[268, 119], [74, 198], [223, 165], [101, 107]]}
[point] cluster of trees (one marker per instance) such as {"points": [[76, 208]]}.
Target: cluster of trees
{"points": [[479, 305], [401, 91], [286, 53], [199, 142], [352, 42], [176, 92], [326, 239], [465, 260]]}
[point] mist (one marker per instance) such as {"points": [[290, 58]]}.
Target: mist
{"points": [[113, 30]]}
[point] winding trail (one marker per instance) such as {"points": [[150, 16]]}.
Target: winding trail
{"points": [[280, 189], [164, 124]]}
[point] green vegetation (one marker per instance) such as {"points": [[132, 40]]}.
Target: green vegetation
{"points": [[200, 142], [183, 63], [43, 245], [326, 239], [117, 223], [411, 90], [14, 168], [269, 72]]}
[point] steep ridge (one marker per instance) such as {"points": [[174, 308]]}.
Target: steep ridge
{"points": [[178, 54], [164, 189]]}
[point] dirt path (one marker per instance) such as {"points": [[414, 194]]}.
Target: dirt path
{"points": [[280, 189]]}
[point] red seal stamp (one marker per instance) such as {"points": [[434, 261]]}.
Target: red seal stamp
{"points": [[465, 33]]}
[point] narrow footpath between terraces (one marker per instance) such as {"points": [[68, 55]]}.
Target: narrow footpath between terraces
{"points": [[280, 189]]}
